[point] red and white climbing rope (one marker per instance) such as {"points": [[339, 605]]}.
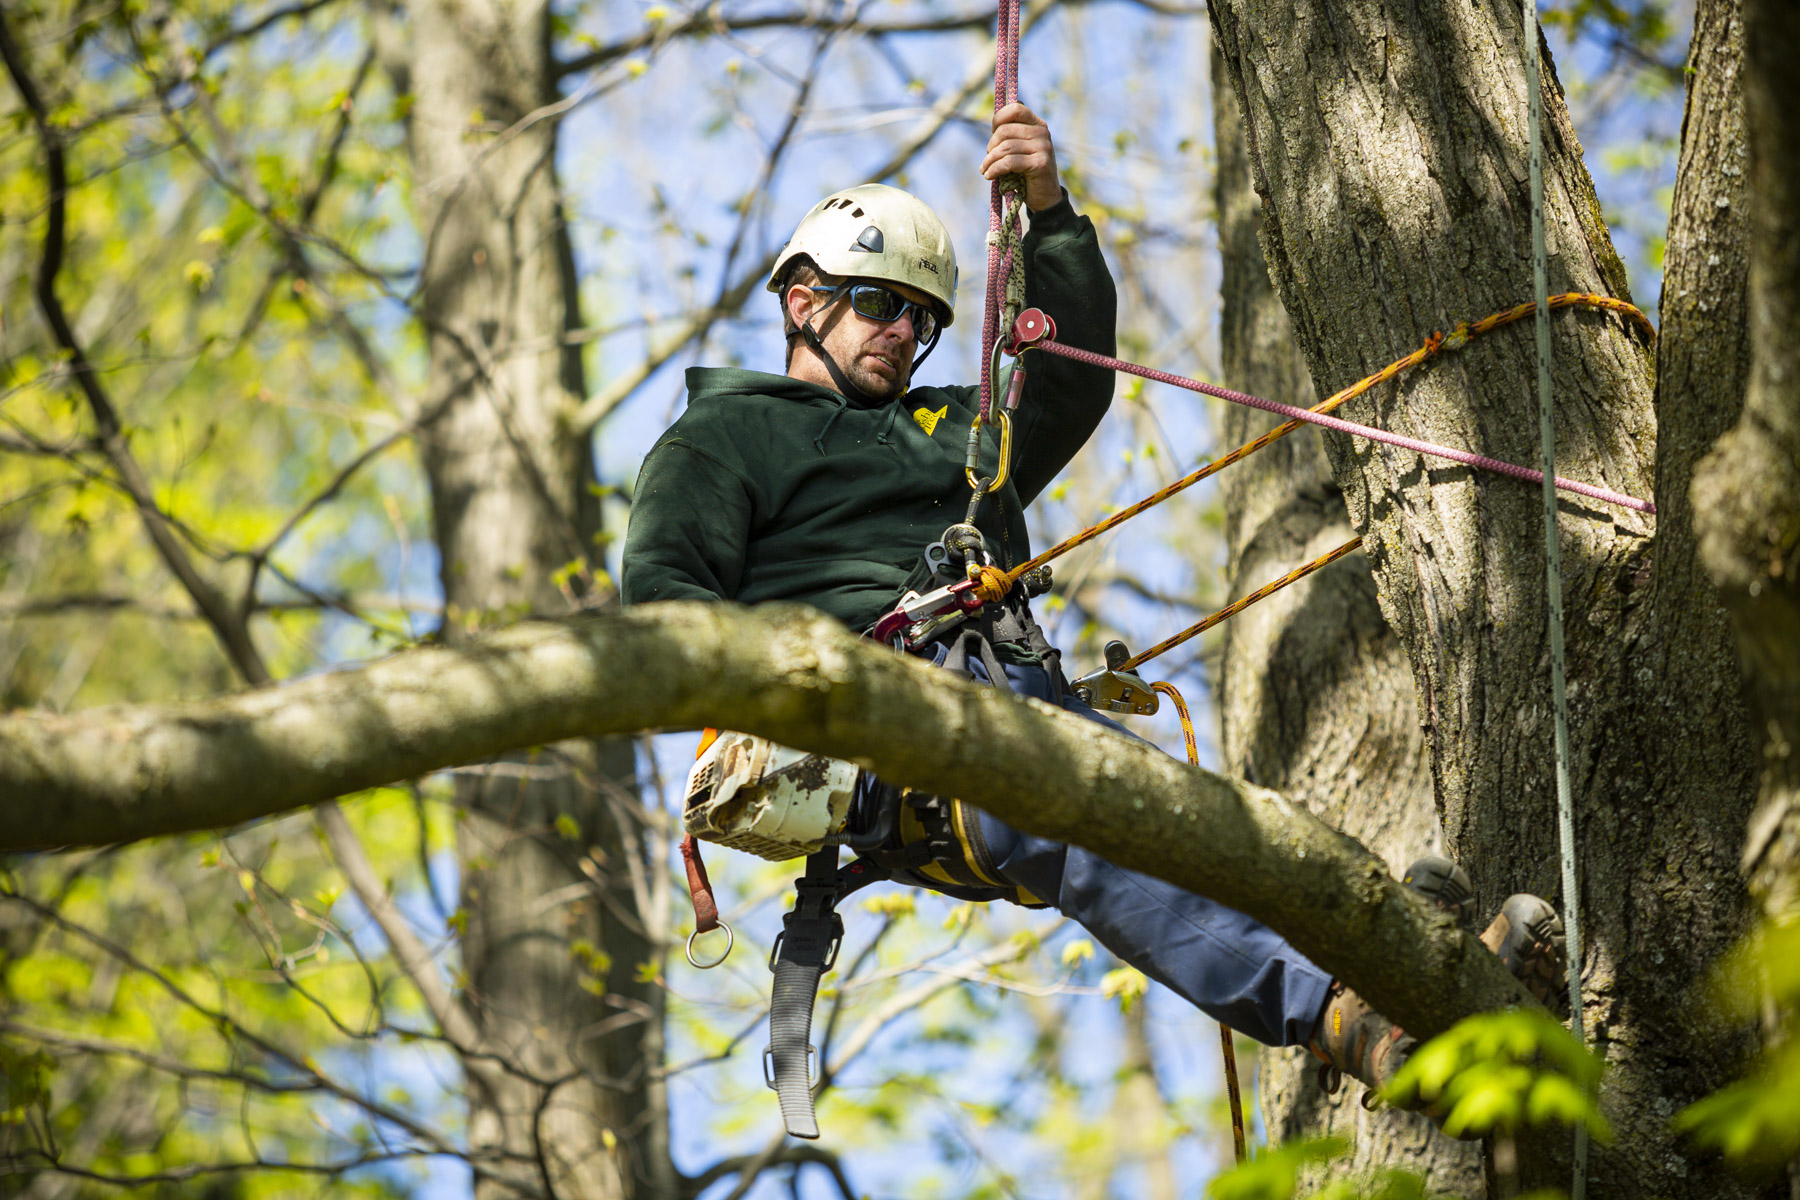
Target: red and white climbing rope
{"points": [[1430, 449], [1005, 262]]}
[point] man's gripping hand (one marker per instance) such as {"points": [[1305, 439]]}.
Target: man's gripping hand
{"points": [[1021, 145]]}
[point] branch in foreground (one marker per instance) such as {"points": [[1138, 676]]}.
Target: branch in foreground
{"points": [[782, 671]]}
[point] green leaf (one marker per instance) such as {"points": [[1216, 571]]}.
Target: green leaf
{"points": [[1274, 1174]]}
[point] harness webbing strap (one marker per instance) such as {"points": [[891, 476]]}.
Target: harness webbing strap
{"points": [[805, 950], [706, 908]]}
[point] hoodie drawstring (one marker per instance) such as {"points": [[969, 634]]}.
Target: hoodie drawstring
{"points": [[819, 442]]}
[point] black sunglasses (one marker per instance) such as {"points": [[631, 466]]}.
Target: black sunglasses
{"points": [[882, 304]]}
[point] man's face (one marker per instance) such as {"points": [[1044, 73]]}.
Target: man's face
{"points": [[876, 356]]}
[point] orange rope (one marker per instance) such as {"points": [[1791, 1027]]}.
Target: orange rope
{"points": [[1232, 610], [1226, 1048], [1434, 345], [1187, 721]]}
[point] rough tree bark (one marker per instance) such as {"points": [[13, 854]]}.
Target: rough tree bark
{"points": [[1314, 694], [1389, 144], [512, 507], [1747, 491]]}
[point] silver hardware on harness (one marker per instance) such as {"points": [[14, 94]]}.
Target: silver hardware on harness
{"points": [[812, 1066], [730, 941], [1114, 690]]}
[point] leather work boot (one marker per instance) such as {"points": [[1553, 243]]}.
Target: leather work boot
{"points": [[1527, 936], [1446, 885]]}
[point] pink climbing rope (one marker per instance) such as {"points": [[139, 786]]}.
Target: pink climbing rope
{"points": [[1478, 461], [1002, 204]]}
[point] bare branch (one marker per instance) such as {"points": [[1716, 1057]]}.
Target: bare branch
{"points": [[227, 624], [752, 1164], [708, 23], [329, 492], [287, 12], [410, 953]]}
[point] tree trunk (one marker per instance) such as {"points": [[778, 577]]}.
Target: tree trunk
{"points": [[513, 508], [1314, 694], [1747, 492], [1389, 144]]}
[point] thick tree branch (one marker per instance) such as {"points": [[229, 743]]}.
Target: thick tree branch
{"points": [[784, 672]]}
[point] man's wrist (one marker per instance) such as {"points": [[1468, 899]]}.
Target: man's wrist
{"points": [[1038, 201], [1061, 206]]}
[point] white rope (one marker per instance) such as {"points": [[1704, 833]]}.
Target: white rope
{"points": [[1565, 804]]}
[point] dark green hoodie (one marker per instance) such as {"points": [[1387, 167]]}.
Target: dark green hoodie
{"points": [[770, 488]]}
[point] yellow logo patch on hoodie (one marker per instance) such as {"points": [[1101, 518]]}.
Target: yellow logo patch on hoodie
{"points": [[928, 420]]}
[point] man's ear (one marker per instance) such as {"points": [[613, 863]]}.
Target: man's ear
{"points": [[800, 303]]}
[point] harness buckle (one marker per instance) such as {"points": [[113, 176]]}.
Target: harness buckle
{"points": [[1115, 690], [812, 1066]]}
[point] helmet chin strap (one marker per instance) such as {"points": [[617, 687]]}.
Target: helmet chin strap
{"points": [[850, 391]]}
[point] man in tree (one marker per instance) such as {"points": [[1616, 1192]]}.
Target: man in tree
{"points": [[824, 486]]}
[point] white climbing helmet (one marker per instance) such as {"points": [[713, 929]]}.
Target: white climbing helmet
{"points": [[876, 232]]}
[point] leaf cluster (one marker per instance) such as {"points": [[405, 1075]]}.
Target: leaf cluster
{"points": [[1497, 1072]]}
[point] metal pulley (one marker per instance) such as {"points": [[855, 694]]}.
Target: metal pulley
{"points": [[1114, 689]]}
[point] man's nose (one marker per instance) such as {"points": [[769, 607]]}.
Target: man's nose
{"points": [[902, 327]]}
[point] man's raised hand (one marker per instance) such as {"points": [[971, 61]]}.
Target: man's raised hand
{"points": [[1020, 145]]}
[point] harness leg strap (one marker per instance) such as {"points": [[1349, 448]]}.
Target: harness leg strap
{"points": [[806, 949]]}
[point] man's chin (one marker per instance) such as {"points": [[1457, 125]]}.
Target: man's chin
{"points": [[882, 387]]}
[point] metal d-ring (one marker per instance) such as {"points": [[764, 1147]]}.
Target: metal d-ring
{"points": [[730, 941]]}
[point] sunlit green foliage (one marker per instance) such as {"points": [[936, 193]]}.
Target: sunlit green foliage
{"points": [[1644, 24], [1498, 1072], [1275, 1174], [261, 1035]]}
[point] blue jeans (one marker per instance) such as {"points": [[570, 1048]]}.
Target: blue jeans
{"points": [[1231, 967]]}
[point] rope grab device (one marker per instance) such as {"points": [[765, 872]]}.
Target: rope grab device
{"points": [[749, 794]]}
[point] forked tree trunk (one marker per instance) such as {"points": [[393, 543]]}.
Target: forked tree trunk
{"points": [[512, 507], [1314, 694], [1388, 141]]}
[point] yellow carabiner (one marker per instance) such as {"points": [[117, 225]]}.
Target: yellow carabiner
{"points": [[999, 417]]}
